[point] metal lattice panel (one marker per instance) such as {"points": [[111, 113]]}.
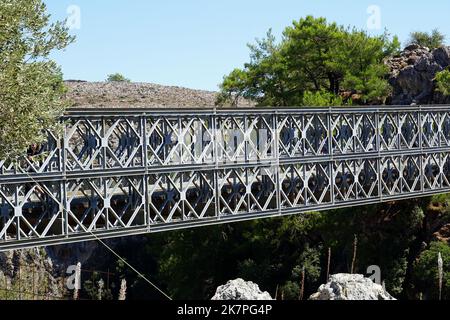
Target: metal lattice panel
{"points": [[123, 172], [246, 190]]}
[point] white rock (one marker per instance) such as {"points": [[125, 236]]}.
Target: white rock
{"points": [[351, 287], [240, 290]]}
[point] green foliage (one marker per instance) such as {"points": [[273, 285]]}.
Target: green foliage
{"points": [[194, 250], [370, 83], [314, 63], [31, 84], [290, 290], [385, 233], [432, 40], [392, 48], [310, 260], [443, 82], [191, 264], [269, 252], [117, 77], [92, 291], [273, 252], [426, 271], [321, 99]]}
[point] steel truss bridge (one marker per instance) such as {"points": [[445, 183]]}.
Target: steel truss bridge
{"points": [[118, 172]]}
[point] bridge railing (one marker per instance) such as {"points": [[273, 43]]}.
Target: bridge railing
{"points": [[136, 139]]}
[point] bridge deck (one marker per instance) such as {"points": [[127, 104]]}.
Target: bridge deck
{"points": [[120, 172]]}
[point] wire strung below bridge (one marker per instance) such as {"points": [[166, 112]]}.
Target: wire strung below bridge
{"points": [[118, 172]]}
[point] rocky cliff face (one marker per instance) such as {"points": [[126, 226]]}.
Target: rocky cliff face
{"points": [[28, 275], [351, 287], [41, 273], [412, 75], [240, 290]]}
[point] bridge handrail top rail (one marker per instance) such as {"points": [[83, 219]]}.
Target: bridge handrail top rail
{"points": [[78, 111]]}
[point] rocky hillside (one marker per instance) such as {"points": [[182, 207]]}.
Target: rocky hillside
{"points": [[412, 75], [145, 95]]}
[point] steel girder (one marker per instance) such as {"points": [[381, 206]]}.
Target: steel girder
{"points": [[122, 172]]}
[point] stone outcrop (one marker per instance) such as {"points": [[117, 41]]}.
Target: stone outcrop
{"points": [[443, 234], [412, 75], [240, 290], [28, 275], [351, 287]]}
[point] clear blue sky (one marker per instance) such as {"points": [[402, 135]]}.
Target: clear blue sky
{"points": [[194, 43]]}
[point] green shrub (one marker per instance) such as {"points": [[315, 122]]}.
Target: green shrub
{"points": [[117, 77], [443, 82], [425, 271], [431, 40]]}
